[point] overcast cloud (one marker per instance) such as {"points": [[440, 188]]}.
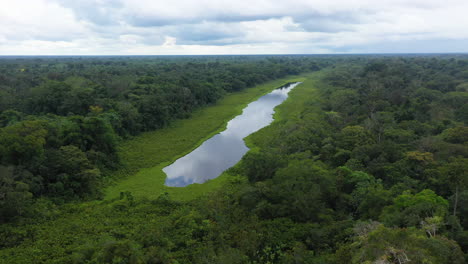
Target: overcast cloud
{"points": [[121, 27]]}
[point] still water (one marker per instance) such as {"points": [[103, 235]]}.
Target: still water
{"points": [[225, 149]]}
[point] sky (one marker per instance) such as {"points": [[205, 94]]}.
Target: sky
{"points": [[197, 27]]}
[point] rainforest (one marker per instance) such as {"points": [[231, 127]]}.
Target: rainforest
{"points": [[365, 160]]}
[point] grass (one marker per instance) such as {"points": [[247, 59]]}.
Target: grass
{"points": [[291, 110], [145, 156], [307, 93]]}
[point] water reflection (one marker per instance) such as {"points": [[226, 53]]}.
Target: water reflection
{"points": [[225, 149]]}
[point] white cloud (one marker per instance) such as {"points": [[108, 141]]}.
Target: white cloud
{"points": [[38, 19], [169, 41], [130, 39], [229, 27]]}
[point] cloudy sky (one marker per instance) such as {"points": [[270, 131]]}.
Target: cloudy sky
{"points": [[122, 27]]}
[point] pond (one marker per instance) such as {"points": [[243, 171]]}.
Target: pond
{"points": [[225, 149]]}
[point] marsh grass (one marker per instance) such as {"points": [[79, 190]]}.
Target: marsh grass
{"points": [[144, 156]]}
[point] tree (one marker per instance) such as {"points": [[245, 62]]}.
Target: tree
{"points": [[22, 143], [49, 98], [378, 122], [395, 245], [344, 101], [68, 173], [130, 119], [301, 191], [10, 117], [456, 173], [111, 251], [353, 136], [369, 199], [15, 197], [261, 166], [409, 210], [431, 225], [456, 135], [80, 97]]}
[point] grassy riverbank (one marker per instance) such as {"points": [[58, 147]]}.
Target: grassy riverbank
{"points": [[144, 156], [290, 111]]}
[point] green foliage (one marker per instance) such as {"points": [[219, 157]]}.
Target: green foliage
{"points": [[363, 193], [370, 138], [389, 245], [69, 173], [344, 101], [301, 191], [353, 136], [409, 210], [49, 98], [261, 166], [9, 117], [22, 142], [15, 196], [111, 251], [456, 135]]}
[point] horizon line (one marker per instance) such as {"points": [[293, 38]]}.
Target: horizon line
{"points": [[266, 54]]}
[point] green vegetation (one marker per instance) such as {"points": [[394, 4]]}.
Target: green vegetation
{"points": [[55, 108], [365, 162], [155, 150]]}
